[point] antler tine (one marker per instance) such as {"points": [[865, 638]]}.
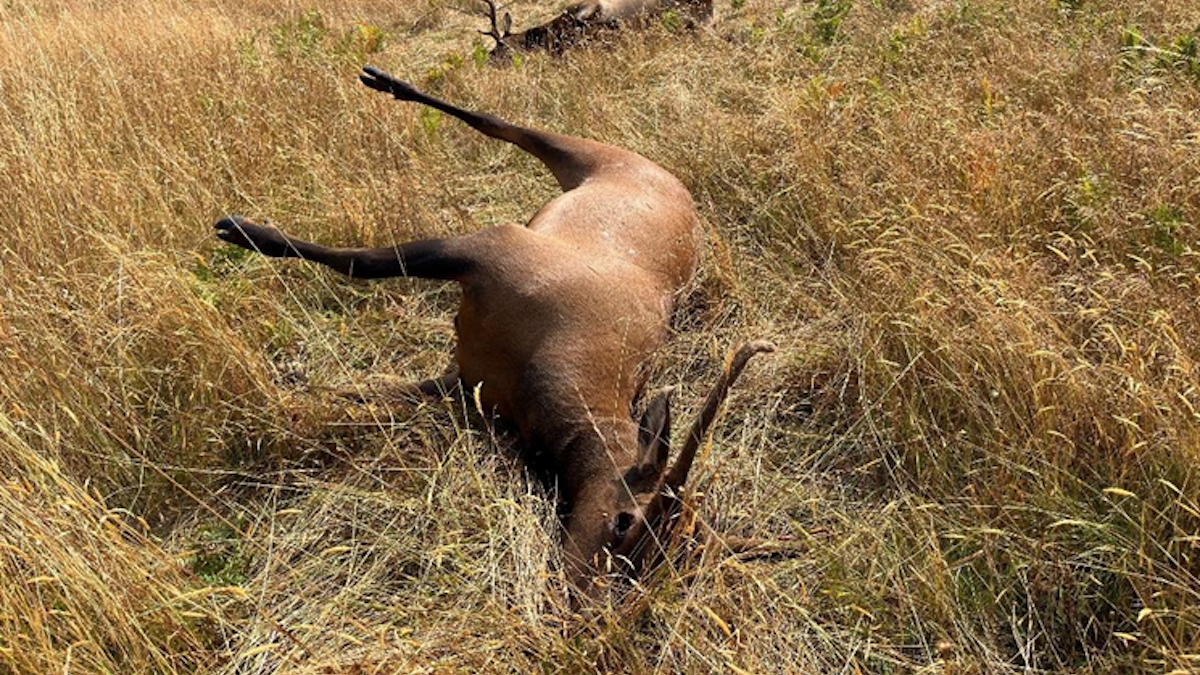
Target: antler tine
{"points": [[678, 474], [496, 33]]}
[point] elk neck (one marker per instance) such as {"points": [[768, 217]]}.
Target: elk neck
{"points": [[586, 450]]}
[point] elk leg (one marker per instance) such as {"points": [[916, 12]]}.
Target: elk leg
{"points": [[441, 387], [425, 259], [390, 387], [570, 159]]}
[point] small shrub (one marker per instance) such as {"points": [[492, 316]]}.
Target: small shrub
{"points": [[450, 64], [311, 37], [219, 559], [1184, 54], [431, 120], [1084, 199], [1142, 56], [827, 19], [1166, 222], [480, 54], [371, 37], [301, 37], [902, 39], [672, 21]]}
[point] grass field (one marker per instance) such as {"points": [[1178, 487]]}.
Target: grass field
{"points": [[971, 227]]}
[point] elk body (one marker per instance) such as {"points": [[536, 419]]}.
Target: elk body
{"points": [[557, 321], [582, 20]]}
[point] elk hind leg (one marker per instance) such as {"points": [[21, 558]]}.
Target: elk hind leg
{"points": [[572, 160]]}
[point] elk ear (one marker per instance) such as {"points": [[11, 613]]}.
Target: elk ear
{"points": [[654, 434]]}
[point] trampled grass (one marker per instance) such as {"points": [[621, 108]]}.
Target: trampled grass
{"points": [[970, 226]]}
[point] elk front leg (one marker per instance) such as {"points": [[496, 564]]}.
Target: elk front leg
{"points": [[391, 387], [425, 259]]}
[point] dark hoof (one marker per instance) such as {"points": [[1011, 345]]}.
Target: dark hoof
{"points": [[381, 81], [229, 223], [265, 238]]}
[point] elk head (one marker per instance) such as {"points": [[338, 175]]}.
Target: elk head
{"points": [[554, 36], [622, 522], [501, 28]]}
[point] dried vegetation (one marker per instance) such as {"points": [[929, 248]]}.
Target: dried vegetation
{"points": [[970, 226]]}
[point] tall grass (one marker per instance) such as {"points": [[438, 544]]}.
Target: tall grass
{"points": [[970, 226], [85, 589]]}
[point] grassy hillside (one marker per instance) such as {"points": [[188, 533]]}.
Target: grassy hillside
{"points": [[971, 227]]}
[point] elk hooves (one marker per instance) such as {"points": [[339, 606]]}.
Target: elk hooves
{"points": [[237, 230], [265, 238], [230, 224], [380, 81]]}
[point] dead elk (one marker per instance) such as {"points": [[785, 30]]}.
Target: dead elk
{"points": [[585, 20], [557, 322]]}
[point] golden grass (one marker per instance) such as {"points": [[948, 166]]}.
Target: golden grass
{"points": [[969, 225], [85, 590]]}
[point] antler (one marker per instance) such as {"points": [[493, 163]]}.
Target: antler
{"points": [[668, 502], [497, 32], [678, 474]]}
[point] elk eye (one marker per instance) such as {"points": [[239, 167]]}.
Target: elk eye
{"points": [[623, 524]]}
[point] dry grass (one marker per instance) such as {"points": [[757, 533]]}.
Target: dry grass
{"points": [[970, 225]]}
